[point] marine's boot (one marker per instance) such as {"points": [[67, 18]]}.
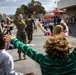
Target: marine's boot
{"points": [[24, 56], [19, 55], [29, 42]]}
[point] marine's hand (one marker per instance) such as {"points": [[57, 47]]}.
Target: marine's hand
{"points": [[4, 14]]}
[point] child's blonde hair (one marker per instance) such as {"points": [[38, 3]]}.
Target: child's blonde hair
{"points": [[57, 30], [57, 46]]}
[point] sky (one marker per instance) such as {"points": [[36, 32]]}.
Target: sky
{"points": [[10, 6]]}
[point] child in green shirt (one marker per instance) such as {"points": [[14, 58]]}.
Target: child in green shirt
{"points": [[58, 61]]}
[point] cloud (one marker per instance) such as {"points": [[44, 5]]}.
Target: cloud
{"points": [[2, 9], [7, 5], [13, 2], [2, 1], [8, 10], [8, 0], [49, 5]]}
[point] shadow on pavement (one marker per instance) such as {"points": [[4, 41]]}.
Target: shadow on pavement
{"points": [[18, 60]]}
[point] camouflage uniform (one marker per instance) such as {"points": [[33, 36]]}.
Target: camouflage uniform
{"points": [[29, 29], [21, 34]]}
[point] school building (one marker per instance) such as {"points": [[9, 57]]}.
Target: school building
{"points": [[68, 5]]}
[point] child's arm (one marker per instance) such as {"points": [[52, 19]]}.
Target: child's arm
{"points": [[33, 54], [66, 30], [41, 27], [46, 33]]}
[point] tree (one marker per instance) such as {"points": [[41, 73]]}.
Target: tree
{"points": [[36, 6], [31, 7], [25, 8], [19, 11]]}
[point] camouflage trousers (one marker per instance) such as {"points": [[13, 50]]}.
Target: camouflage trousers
{"points": [[29, 31], [21, 36]]}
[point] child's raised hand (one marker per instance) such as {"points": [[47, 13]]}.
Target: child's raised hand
{"points": [[9, 37]]}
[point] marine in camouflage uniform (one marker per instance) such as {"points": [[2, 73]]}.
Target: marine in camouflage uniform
{"points": [[21, 33], [29, 29]]}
